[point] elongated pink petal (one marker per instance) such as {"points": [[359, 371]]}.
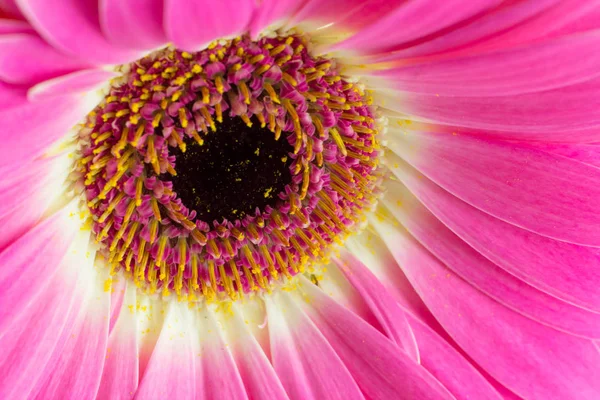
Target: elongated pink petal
{"points": [[457, 374], [41, 325], [486, 276], [378, 366], [530, 359], [27, 59], [503, 18], [568, 108], [585, 135], [305, 362], [135, 24], [120, 372], [73, 83], [12, 95], [353, 17], [567, 271], [10, 7], [75, 372], [517, 184], [38, 253], [28, 130], [174, 368], [257, 373], [222, 19], [418, 18], [586, 153], [13, 26], [382, 304], [28, 192], [73, 27], [219, 372], [273, 12], [533, 68]]}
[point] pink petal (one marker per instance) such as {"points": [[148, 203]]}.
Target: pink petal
{"points": [[272, 12], [219, 373], [193, 24], [120, 371], [8, 26], [10, 7], [41, 325], [530, 359], [174, 368], [73, 83], [572, 108], [381, 303], [567, 271], [486, 276], [533, 68], [27, 59], [12, 95], [257, 373], [489, 25], [73, 27], [144, 31], [75, 372], [515, 183], [567, 135], [379, 368], [34, 255], [417, 19], [449, 366], [29, 129], [117, 297], [585, 153], [354, 16], [306, 364]]}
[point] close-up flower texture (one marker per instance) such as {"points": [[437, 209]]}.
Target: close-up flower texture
{"points": [[300, 199]]}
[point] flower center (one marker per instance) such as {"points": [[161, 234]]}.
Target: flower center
{"points": [[218, 173], [235, 172]]}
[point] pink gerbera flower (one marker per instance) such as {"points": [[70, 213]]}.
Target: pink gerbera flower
{"points": [[299, 199]]}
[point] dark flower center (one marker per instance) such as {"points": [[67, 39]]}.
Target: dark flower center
{"points": [[217, 173], [237, 170]]}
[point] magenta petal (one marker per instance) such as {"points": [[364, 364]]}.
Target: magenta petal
{"points": [[256, 371], [569, 108], [41, 330], [38, 253], [418, 18], [379, 367], [73, 83], [503, 18], [382, 304], [174, 368], [27, 59], [564, 270], [486, 276], [144, 31], [193, 24], [585, 153], [75, 372], [303, 359], [120, 371], [28, 130], [11, 26], [533, 68], [12, 95], [449, 366], [73, 27], [272, 12], [530, 359], [515, 183]]}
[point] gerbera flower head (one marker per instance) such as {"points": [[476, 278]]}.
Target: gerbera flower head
{"points": [[299, 199]]}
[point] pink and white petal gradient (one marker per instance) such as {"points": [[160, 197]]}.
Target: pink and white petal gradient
{"points": [[483, 282]]}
